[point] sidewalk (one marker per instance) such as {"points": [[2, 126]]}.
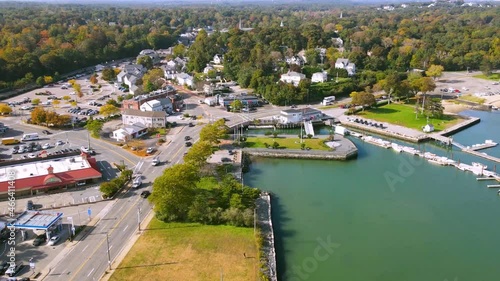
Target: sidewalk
{"points": [[131, 242]]}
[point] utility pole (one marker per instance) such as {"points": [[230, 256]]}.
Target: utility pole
{"points": [[139, 217], [109, 255]]}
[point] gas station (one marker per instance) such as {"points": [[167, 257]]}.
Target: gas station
{"points": [[38, 221]]}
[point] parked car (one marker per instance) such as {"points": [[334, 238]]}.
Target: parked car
{"points": [[59, 142], [46, 146], [188, 144], [53, 240], [46, 132], [12, 271], [39, 240], [186, 138], [150, 150], [191, 124], [29, 205]]}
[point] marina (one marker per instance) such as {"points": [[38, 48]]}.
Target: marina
{"points": [[476, 168], [486, 144]]}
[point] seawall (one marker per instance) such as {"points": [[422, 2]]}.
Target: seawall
{"points": [[265, 223]]}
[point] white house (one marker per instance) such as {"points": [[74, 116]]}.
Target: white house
{"points": [[152, 105], [292, 78], [129, 132], [345, 64], [129, 75], [319, 77], [294, 60], [150, 53], [207, 69], [150, 119], [428, 128], [184, 79], [290, 116], [218, 59]]}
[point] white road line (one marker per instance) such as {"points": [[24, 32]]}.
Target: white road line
{"points": [[121, 208], [85, 248], [90, 272], [110, 247], [125, 228]]}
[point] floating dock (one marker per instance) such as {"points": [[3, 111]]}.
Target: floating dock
{"points": [[493, 185], [486, 144]]}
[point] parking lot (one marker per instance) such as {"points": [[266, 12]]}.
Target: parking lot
{"points": [[455, 84]]}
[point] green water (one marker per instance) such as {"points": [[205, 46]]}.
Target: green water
{"points": [[388, 217]]}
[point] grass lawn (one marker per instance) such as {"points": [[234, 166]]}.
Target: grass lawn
{"points": [[404, 115], [472, 98], [494, 76], [188, 251], [289, 143]]}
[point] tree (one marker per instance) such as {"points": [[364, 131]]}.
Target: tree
{"points": [[434, 71], [214, 132], [56, 103], [73, 103], [108, 109], [173, 192], [94, 127], [39, 116], [363, 99], [66, 98], [145, 61], [179, 50], [35, 101], [5, 109], [108, 189], [39, 81], [434, 108], [198, 153], [113, 102], [108, 74], [236, 105], [93, 79], [48, 79], [153, 79]]}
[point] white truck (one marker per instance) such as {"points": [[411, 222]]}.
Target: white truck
{"points": [[30, 137]]}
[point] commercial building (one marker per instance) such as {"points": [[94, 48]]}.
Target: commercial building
{"points": [[175, 101], [293, 116], [246, 100], [150, 119], [129, 132], [34, 176]]}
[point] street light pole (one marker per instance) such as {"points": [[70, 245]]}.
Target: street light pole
{"points": [[109, 256], [139, 217]]}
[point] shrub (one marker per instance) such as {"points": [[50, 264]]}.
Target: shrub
{"points": [[268, 133], [276, 145]]}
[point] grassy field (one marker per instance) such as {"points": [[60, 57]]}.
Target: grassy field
{"points": [[289, 143], [494, 76], [472, 98], [404, 115], [182, 251]]}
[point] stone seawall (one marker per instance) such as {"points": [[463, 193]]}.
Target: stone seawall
{"points": [[265, 224], [301, 154]]}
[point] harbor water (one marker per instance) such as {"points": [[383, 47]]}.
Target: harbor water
{"points": [[386, 216]]}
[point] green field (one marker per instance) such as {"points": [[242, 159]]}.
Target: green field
{"points": [[189, 251], [404, 115], [472, 98], [288, 143], [494, 76]]}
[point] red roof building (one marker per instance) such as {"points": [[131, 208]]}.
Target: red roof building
{"points": [[43, 175]]}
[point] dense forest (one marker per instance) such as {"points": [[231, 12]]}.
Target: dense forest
{"points": [[41, 39]]}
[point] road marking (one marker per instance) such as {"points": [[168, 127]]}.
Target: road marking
{"points": [[125, 228], [113, 228], [110, 247], [90, 272], [122, 156], [85, 248]]}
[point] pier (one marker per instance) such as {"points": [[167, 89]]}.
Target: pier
{"points": [[485, 145], [482, 155]]}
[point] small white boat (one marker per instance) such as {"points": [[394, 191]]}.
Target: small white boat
{"points": [[479, 165], [396, 147], [436, 161]]}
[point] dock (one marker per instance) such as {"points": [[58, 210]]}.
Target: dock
{"points": [[485, 145], [482, 155], [493, 185]]}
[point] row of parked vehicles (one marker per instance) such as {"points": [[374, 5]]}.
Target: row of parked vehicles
{"points": [[80, 111]]}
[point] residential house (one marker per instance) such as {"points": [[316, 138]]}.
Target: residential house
{"points": [[293, 116], [168, 98], [319, 77], [150, 53], [184, 79], [129, 132], [151, 119], [169, 71], [292, 78], [338, 42], [345, 64], [152, 105], [207, 69], [218, 59], [295, 60]]}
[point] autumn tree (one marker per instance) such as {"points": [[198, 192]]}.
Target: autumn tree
{"points": [[39, 115], [66, 98], [198, 153], [363, 98], [435, 71], [145, 61], [93, 79], [35, 101], [56, 103], [5, 109], [153, 79], [108, 109], [94, 127]]}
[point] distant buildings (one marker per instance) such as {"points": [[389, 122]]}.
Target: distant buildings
{"points": [[129, 75], [168, 98], [184, 79], [293, 116], [150, 53]]}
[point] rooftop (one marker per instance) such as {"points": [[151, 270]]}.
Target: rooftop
{"points": [[37, 219], [134, 112], [41, 168]]}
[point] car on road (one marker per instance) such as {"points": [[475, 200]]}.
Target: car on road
{"points": [[53, 240], [59, 142], [155, 161], [186, 138], [188, 144], [39, 240], [145, 194], [46, 132], [137, 182], [191, 124], [150, 150]]}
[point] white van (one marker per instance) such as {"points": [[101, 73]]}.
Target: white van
{"points": [[30, 137], [137, 182], [155, 161]]}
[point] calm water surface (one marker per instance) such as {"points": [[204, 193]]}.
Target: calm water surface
{"points": [[385, 216]]}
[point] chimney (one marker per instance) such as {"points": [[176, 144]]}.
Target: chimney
{"points": [[50, 170]]}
